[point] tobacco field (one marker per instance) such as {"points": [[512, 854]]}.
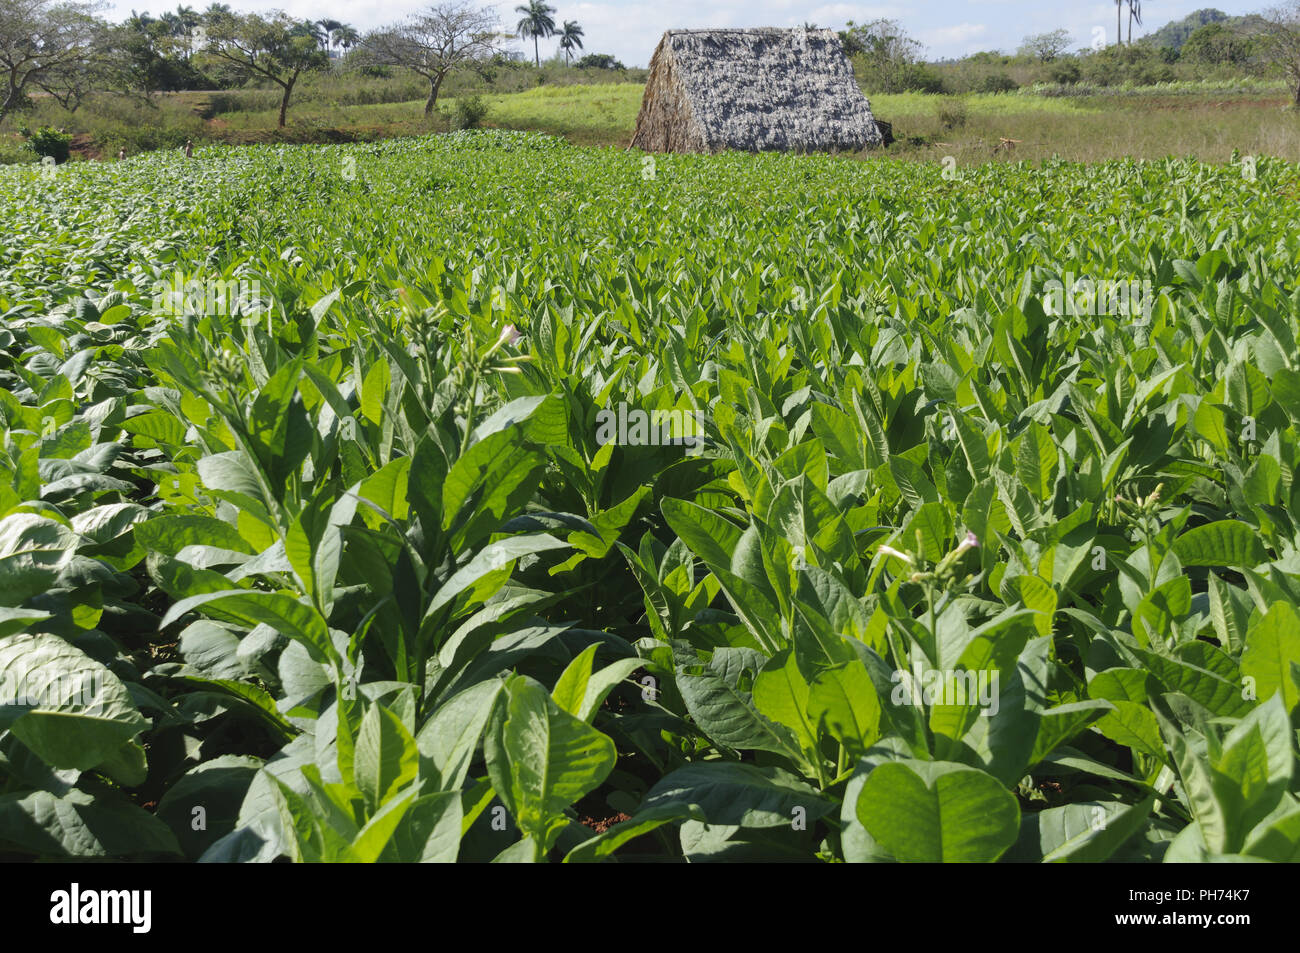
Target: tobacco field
{"points": [[335, 564]]}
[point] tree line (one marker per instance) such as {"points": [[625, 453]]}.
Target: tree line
{"points": [[61, 48], [888, 60]]}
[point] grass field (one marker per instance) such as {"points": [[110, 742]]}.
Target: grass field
{"points": [[1207, 125], [1208, 121], [483, 497]]}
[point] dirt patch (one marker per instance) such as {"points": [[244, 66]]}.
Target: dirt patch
{"points": [[600, 825], [83, 147]]}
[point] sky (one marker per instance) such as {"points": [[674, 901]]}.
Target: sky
{"points": [[629, 29]]}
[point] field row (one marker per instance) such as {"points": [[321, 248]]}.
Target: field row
{"points": [[480, 497]]}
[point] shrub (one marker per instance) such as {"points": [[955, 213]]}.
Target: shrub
{"points": [[996, 83], [1066, 74], [13, 152], [918, 78], [50, 142], [469, 112], [1214, 44], [952, 113], [599, 61]]}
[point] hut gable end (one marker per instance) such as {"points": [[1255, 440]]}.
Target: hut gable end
{"points": [[752, 90]]}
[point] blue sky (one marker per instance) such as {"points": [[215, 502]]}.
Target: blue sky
{"points": [[630, 29]]}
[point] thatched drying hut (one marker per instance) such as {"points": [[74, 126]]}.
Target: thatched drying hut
{"points": [[752, 90]]}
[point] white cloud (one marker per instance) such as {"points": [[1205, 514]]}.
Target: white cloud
{"points": [[630, 30], [959, 40]]}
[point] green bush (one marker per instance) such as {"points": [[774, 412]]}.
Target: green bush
{"points": [[996, 83], [599, 61], [47, 141], [14, 152], [952, 113], [469, 112], [919, 78], [1064, 73], [1133, 65]]}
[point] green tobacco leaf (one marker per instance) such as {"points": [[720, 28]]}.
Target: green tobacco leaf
{"points": [[724, 712], [1225, 543], [79, 826], [171, 533], [374, 390], [13, 621], [1272, 645], [280, 611], [203, 806], [386, 758], [781, 694], [843, 700], [1133, 724], [1221, 695], [258, 700], [1036, 461], [571, 687], [554, 759], [741, 795], [492, 558], [1213, 826], [1063, 723], [450, 737], [63, 705], [33, 550], [1086, 832], [938, 811], [1278, 838], [603, 682], [602, 845], [496, 476], [429, 831]]}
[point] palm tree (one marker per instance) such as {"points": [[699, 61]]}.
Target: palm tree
{"points": [[346, 36], [324, 30], [189, 17], [570, 36], [1119, 34], [217, 13], [536, 22], [1134, 13]]}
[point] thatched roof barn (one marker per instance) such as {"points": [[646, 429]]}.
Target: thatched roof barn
{"points": [[752, 90]]}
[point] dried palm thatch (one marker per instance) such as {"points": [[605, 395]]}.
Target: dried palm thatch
{"points": [[752, 90]]}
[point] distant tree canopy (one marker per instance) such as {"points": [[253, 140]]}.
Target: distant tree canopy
{"points": [[436, 40], [58, 48], [887, 59], [1177, 32], [1046, 47], [1217, 44], [599, 61], [277, 48], [1280, 43]]}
